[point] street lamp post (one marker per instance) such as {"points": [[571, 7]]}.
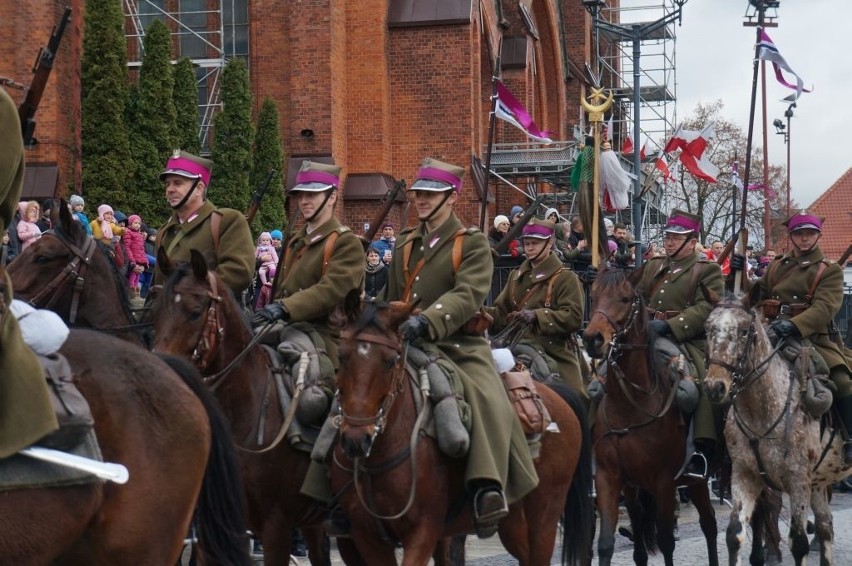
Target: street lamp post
{"points": [[783, 130], [635, 32]]}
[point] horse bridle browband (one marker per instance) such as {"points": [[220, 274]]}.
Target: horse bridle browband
{"points": [[211, 330], [73, 273]]}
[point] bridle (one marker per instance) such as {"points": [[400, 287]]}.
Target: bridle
{"points": [[73, 274], [378, 420], [622, 328], [211, 330]]}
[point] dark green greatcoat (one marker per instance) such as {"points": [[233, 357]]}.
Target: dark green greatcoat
{"points": [[788, 279], [234, 257], [448, 298], [668, 285], [557, 322], [26, 413], [309, 291]]}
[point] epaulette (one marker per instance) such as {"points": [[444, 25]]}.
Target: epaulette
{"points": [[471, 230], [408, 230], [342, 229]]}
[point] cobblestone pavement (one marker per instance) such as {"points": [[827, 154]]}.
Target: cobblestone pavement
{"points": [[690, 549]]}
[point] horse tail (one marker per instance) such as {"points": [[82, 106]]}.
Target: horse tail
{"points": [[578, 514], [220, 511], [646, 530]]}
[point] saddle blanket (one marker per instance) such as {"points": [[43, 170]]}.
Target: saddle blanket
{"points": [[23, 472]]}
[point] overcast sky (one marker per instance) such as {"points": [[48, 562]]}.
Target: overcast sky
{"points": [[714, 55]]}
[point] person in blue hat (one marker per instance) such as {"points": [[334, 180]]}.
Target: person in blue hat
{"points": [[276, 236]]}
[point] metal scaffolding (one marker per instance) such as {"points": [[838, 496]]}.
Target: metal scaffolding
{"points": [[657, 69], [209, 33]]}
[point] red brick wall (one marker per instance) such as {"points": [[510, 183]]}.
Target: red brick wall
{"points": [[24, 32]]}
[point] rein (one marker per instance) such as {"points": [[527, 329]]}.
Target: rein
{"points": [[379, 420]]}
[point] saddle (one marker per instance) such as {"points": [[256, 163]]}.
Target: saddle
{"points": [[72, 409]]}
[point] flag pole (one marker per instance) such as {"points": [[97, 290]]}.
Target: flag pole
{"points": [[483, 211], [761, 11], [596, 114]]}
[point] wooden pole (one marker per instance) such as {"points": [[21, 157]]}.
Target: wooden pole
{"points": [[483, 211]]}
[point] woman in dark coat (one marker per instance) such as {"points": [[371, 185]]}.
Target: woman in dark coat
{"points": [[376, 274]]}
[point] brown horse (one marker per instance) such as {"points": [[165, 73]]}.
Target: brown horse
{"points": [[71, 274], [395, 484], [164, 427], [197, 317], [772, 440], [639, 436]]}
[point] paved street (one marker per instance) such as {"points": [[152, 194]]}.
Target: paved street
{"points": [[691, 548]]}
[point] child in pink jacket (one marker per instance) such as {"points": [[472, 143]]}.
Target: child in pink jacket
{"points": [[28, 231], [134, 244]]}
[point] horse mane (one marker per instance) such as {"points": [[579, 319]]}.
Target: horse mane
{"points": [[74, 233], [371, 317]]}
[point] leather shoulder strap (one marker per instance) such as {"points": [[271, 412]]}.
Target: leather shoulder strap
{"points": [[810, 296], [328, 250], [458, 244], [215, 230]]}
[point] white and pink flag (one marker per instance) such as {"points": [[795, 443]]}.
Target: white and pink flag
{"points": [[767, 51], [509, 109]]}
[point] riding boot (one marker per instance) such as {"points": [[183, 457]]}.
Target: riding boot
{"points": [[337, 524], [489, 507], [844, 407]]}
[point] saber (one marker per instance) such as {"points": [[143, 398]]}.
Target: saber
{"points": [[104, 470]]}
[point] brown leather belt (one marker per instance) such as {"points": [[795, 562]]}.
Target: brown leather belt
{"points": [[773, 308], [661, 315]]}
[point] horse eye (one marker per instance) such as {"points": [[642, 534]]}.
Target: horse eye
{"points": [[626, 300], [195, 315]]}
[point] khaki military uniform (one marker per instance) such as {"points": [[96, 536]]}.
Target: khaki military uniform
{"points": [[555, 294], [672, 289], [234, 254], [310, 290], [788, 279], [449, 298], [26, 413]]}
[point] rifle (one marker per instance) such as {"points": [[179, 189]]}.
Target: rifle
{"points": [[257, 198], [390, 199], [41, 71], [513, 233], [843, 259]]}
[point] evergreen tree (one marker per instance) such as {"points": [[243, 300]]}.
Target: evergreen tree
{"points": [[232, 140], [186, 106], [154, 124], [268, 155], [108, 166]]}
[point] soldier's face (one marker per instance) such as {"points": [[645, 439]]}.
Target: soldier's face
{"points": [[310, 203], [675, 247], [427, 202], [805, 239], [177, 187]]}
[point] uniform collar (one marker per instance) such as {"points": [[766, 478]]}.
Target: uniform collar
{"points": [[814, 255], [544, 270], [199, 215], [320, 233], [435, 239]]}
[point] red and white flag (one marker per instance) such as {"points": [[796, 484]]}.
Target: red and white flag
{"points": [[693, 154], [627, 146], [662, 165], [508, 108], [642, 151]]}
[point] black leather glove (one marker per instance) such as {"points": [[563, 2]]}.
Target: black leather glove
{"points": [[527, 316], [738, 262], [415, 327], [659, 327], [591, 274], [270, 313], [781, 328]]}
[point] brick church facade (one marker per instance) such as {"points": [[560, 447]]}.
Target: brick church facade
{"points": [[374, 85]]}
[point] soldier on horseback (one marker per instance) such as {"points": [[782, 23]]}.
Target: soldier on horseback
{"points": [[670, 287], [548, 299], [26, 412], [800, 294], [449, 293], [197, 224]]}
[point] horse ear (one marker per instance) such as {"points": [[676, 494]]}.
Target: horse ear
{"points": [[347, 312], [636, 275], [164, 263], [710, 296], [399, 311], [61, 215], [199, 264]]}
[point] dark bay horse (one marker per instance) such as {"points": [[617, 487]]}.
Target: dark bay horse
{"points": [[197, 317], [70, 273], [164, 427], [771, 439], [404, 489], [639, 435]]}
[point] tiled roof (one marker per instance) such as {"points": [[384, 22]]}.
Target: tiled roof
{"points": [[836, 205]]}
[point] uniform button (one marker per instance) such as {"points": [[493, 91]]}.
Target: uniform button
{"points": [[414, 295], [662, 290], [446, 317], [659, 302], [417, 278], [795, 297], [421, 248], [551, 324], [439, 306], [457, 345], [680, 319], [685, 326], [666, 281]]}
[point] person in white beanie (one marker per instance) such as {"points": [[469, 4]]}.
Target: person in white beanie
{"points": [[77, 205]]}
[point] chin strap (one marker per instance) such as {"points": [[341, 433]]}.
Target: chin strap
{"points": [[321, 206], [186, 196], [538, 255], [437, 208], [682, 245], [807, 250]]}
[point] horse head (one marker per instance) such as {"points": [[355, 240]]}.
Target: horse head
{"points": [[372, 369], [735, 338], [187, 317], [616, 310], [69, 273]]}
